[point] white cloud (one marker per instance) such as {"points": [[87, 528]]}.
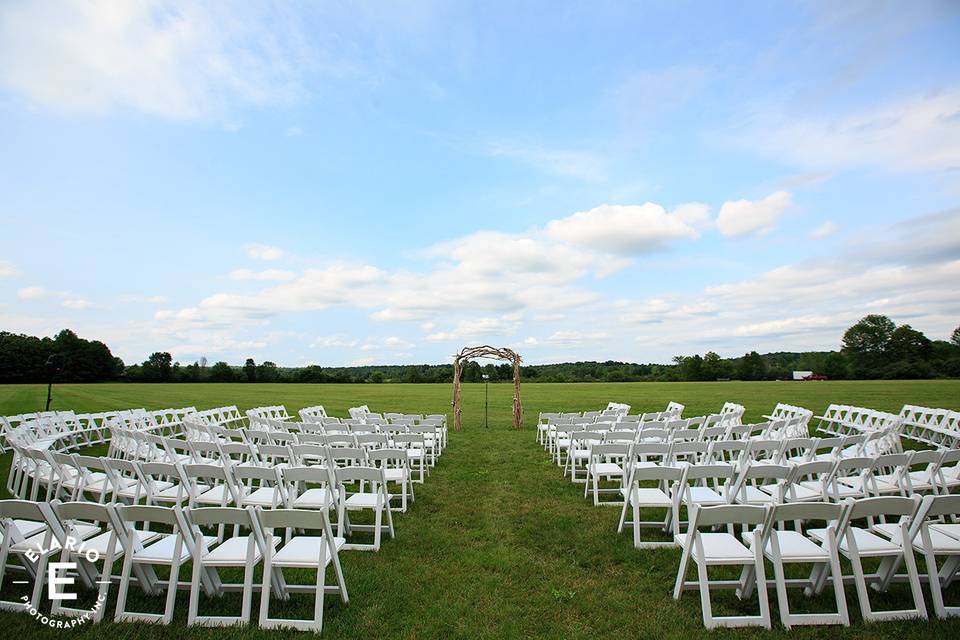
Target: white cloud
{"points": [[825, 230], [919, 133], [477, 328], [328, 342], [575, 164], [265, 275], [31, 293], [7, 269], [745, 217], [628, 229], [144, 299], [263, 252], [77, 304], [183, 60], [362, 362]]}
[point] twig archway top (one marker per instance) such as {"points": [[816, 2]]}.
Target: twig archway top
{"points": [[485, 351]]}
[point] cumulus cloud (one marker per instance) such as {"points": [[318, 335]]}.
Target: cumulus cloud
{"points": [[31, 293], [914, 134], [265, 275], [746, 217], [263, 252], [175, 60], [628, 229], [477, 328], [575, 164], [7, 269], [77, 304], [825, 230]]}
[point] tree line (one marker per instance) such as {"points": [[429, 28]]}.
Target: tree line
{"points": [[875, 347]]}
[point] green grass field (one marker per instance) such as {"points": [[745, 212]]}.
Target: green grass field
{"points": [[498, 545]]}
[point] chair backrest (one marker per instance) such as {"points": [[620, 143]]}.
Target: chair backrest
{"points": [[358, 474], [726, 514], [884, 505]]}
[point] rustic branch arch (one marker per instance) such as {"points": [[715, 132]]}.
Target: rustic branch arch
{"points": [[486, 351]]}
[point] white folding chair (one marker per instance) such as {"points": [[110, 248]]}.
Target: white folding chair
{"points": [[714, 548], [371, 495], [169, 549], [239, 551], [315, 552], [856, 543], [663, 496], [785, 546]]}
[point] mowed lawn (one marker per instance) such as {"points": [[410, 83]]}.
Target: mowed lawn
{"points": [[497, 544]]}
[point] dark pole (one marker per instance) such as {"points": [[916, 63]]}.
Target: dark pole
{"points": [[486, 401], [54, 365]]}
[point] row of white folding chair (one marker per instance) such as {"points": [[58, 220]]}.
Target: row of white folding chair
{"points": [[308, 414], [936, 427], [714, 421], [229, 416], [845, 419], [88, 534], [658, 432], [274, 412], [421, 445], [230, 482], [786, 411], [848, 530], [756, 482]]}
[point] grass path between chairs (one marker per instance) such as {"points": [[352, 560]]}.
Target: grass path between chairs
{"points": [[497, 544]]}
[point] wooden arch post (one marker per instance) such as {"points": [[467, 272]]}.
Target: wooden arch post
{"points": [[486, 351]]}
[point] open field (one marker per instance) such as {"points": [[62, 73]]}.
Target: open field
{"points": [[497, 545]]}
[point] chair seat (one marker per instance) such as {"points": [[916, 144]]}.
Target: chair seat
{"points": [[170, 494], [941, 540], [868, 544], [705, 496], [606, 469], [263, 497], [722, 548], [794, 547], [805, 490], [648, 497], [755, 495], [216, 495], [99, 543], [304, 551], [316, 498], [414, 454], [233, 552], [29, 528], [35, 543], [161, 551], [134, 489], [362, 501]]}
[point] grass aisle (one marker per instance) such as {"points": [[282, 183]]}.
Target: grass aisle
{"points": [[497, 544]]}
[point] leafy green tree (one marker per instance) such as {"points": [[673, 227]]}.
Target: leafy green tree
{"points": [[866, 344], [268, 372], [835, 366], [250, 370], [157, 368], [751, 366], [691, 367], [221, 372], [714, 367], [376, 377], [906, 343], [955, 336]]}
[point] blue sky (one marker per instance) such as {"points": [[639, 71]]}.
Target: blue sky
{"points": [[363, 183]]}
